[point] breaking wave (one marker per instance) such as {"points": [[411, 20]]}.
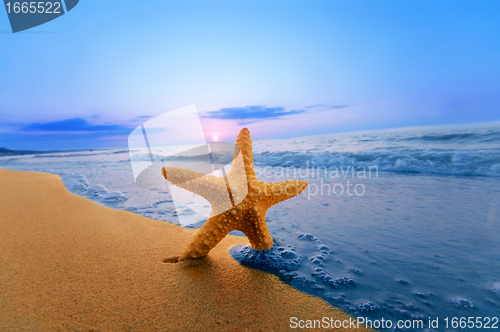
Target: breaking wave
{"points": [[471, 152], [475, 163]]}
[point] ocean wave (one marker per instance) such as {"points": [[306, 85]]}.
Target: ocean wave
{"points": [[67, 155], [79, 184], [218, 158], [465, 137], [451, 162]]}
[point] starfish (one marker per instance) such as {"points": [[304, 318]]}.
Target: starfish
{"points": [[249, 200]]}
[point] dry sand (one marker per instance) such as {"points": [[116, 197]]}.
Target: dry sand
{"points": [[68, 264]]}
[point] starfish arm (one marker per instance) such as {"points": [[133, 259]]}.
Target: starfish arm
{"points": [[244, 143], [276, 192], [242, 172], [237, 183], [255, 229], [210, 187], [237, 173], [207, 237]]}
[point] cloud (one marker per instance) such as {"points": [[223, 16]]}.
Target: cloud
{"points": [[74, 133], [250, 114], [75, 125], [326, 107]]}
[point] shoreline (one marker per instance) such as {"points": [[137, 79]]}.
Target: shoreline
{"points": [[70, 264]]}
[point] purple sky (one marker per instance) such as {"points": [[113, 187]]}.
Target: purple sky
{"points": [[281, 68]]}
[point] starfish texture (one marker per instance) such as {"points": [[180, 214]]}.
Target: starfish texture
{"points": [[249, 200]]}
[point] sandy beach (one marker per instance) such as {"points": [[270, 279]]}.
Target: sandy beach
{"points": [[69, 264]]}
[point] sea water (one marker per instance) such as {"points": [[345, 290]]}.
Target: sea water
{"points": [[401, 225]]}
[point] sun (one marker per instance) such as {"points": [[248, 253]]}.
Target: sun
{"points": [[215, 137]]}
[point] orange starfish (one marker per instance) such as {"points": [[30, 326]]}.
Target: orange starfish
{"points": [[249, 200]]}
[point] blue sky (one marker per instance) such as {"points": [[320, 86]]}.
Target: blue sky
{"points": [[281, 68]]}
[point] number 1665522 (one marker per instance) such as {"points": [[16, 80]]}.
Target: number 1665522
{"points": [[33, 7]]}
